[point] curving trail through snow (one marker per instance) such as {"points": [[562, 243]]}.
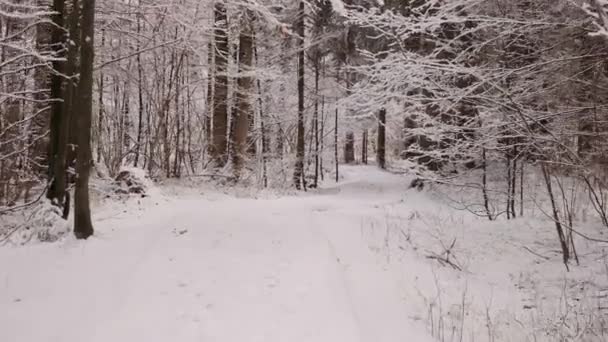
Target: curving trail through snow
{"points": [[206, 269]]}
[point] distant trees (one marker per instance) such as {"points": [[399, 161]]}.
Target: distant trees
{"points": [[25, 55], [218, 87], [477, 84]]}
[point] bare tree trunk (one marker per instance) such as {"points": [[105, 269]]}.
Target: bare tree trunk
{"points": [[521, 189], [336, 146], [140, 97], [298, 175], [316, 122], [176, 160], [40, 123], [265, 149], [322, 137], [56, 172], [71, 93], [364, 147], [349, 148], [243, 105], [513, 184], [280, 141], [210, 87], [101, 107], [83, 227], [381, 152], [220, 92], [509, 183], [556, 218], [232, 96], [484, 184]]}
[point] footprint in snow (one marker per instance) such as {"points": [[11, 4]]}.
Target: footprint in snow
{"points": [[178, 232]]}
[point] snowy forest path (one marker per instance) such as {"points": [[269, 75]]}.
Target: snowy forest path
{"points": [[234, 269]]}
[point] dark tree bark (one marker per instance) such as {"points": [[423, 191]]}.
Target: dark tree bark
{"points": [[381, 152], [298, 174], [556, 218], [322, 137], [210, 86], [233, 94], [511, 160], [280, 141], [56, 171], [521, 189], [70, 96], [40, 124], [219, 147], [177, 159], [509, 183], [140, 97], [83, 227], [364, 147], [243, 104], [316, 120], [513, 184], [337, 162], [265, 147], [101, 109], [349, 148], [484, 184]]}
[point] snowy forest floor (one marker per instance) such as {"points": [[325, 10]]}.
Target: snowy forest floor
{"points": [[364, 260]]}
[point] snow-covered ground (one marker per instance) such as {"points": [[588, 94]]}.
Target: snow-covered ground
{"points": [[213, 268], [354, 261]]}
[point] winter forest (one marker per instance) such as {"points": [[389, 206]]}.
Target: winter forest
{"points": [[304, 170]]}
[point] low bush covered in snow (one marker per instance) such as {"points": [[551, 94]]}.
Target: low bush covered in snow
{"points": [[41, 222], [502, 279]]}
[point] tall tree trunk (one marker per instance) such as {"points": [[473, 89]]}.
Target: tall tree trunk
{"points": [[71, 99], [40, 123], [364, 147], [220, 93], [509, 183], [232, 96], [56, 171], [513, 184], [521, 189], [100, 105], [556, 218], [336, 145], [322, 137], [484, 184], [178, 128], [210, 86], [140, 96], [265, 147], [67, 130], [243, 104], [316, 120], [83, 227], [298, 174], [381, 152]]}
